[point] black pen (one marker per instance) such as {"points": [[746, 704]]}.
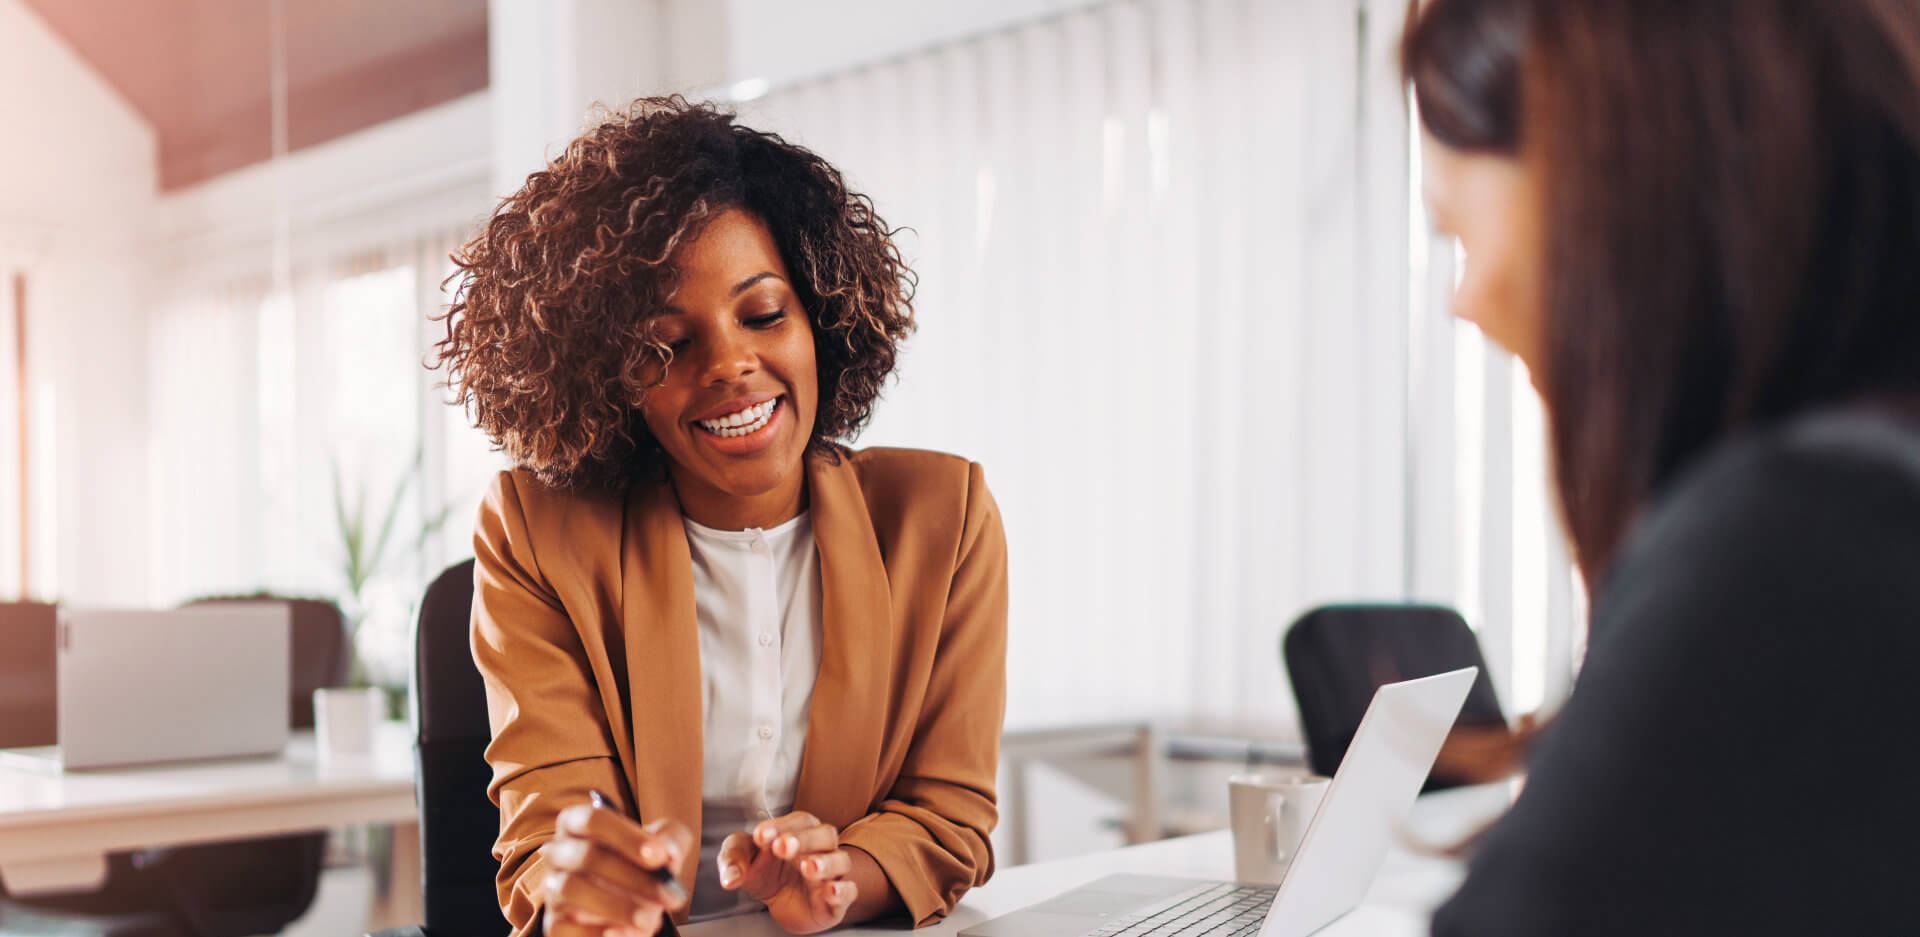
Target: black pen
{"points": [[664, 876]]}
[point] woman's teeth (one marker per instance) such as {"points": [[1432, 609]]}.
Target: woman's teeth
{"points": [[741, 422]]}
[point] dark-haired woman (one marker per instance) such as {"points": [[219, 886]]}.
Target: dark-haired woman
{"points": [[1699, 226], [783, 657]]}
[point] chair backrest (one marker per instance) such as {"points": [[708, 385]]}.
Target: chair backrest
{"points": [[27, 674], [1337, 655], [458, 823]]}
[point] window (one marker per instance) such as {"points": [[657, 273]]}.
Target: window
{"points": [[288, 422]]}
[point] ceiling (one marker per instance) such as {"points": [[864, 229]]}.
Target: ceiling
{"points": [[200, 71]]}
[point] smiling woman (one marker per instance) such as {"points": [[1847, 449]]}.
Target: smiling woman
{"points": [[782, 660]]}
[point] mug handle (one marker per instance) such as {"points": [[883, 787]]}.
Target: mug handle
{"points": [[1276, 803]]}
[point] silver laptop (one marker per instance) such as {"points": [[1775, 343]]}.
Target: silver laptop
{"points": [[1364, 808], [141, 687]]}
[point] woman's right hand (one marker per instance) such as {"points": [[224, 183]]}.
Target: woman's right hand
{"points": [[600, 879]]}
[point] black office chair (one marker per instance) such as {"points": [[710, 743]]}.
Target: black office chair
{"points": [[458, 823], [1337, 655], [230, 889]]}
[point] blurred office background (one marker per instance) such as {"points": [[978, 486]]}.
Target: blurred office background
{"points": [[1177, 295]]}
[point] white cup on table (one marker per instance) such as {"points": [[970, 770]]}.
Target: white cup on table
{"points": [[344, 720], [1269, 813]]}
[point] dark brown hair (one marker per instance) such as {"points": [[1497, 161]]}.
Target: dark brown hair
{"points": [[1463, 59], [1731, 192], [550, 338]]}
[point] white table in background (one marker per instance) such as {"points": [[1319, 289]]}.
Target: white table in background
{"points": [[1402, 898], [57, 828]]}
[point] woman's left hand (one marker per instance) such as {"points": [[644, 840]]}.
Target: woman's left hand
{"points": [[796, 867]]}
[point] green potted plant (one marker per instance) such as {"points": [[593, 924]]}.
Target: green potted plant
{"points": [[367, 551]]}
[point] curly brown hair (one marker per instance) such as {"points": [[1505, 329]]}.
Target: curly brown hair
{"points": [[550, 342]]}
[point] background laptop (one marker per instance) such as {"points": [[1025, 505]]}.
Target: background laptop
{"points": [[1348, 839], [139, 687]]}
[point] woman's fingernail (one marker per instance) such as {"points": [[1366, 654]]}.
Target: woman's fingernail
{"points": [[791, 844], [651, 854]]}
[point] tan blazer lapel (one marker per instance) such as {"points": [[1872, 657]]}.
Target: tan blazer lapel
{"points": [[842, 751], [663, 656]]}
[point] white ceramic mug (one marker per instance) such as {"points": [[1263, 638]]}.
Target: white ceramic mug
{"points": [[344, 719], [1270, 814]]}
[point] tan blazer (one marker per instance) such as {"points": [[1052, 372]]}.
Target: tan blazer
{"points": [[584, 630]]}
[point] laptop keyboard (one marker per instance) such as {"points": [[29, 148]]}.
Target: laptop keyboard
{"points": [[1211, 910]]}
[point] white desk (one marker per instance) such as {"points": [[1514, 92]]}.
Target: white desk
{"points": [[56, 829], [1404, 894]]}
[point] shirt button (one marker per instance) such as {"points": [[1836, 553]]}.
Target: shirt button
{"points": [[766, 732], [766, 640]]}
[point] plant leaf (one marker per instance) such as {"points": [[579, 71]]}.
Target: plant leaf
{"points": [[349, 535], [392, 515]]}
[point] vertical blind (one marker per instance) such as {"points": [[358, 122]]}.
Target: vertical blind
{"points": [[1157, 305], [1165, 251]]}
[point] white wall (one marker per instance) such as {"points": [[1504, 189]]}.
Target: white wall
{"points": [[781, 41], [77, 180]]}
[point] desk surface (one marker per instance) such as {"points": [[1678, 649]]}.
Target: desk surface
{"points": [[56, 828], [1403, 895]]}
